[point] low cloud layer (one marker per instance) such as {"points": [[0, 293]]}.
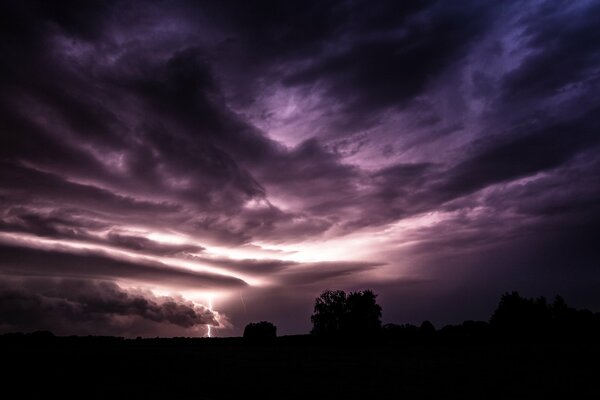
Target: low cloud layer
{"points": [[287, 147], [92, 307]]}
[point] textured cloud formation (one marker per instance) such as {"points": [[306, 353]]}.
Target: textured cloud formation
{"points": [[267, 150], [69, 262], [89, 307]]}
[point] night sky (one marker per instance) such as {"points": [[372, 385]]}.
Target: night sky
{"points": [[166, 166]]}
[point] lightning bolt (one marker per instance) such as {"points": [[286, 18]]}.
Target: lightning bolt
{"points": [[210, 307]]}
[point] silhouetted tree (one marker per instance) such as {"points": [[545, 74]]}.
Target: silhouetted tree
{"points": [[363, 314], [520, 317], [260, 331], [329, 311], [356, 314]]}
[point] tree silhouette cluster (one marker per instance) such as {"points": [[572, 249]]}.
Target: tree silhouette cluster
{"points": [[536, 319], [339, 314], [516, 319]]}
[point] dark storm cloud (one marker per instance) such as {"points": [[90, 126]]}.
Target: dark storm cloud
{"points": [[569, 197], [82, 306], [192, 151], [399, 191], [535, 150], [382, 67], [57, 225], [28, 183], [375, 46], [405, 190], [82, 133], [562, 39], [72, 224], [309, 165], [84, 137], [25, 261], [24, 139], [183, 88]]}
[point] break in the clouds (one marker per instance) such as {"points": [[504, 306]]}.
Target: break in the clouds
{"points": [[159, 157]]}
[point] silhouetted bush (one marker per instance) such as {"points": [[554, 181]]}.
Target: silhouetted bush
{"points": [[260, 331]]}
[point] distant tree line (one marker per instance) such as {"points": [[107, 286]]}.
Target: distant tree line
{"points": [[357, 315], [341, 316], [516, 319]]}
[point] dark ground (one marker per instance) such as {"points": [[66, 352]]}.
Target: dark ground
{"points": [[297, 369]]}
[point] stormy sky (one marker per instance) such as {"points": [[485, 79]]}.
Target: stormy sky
{"points": [[166, 166]]}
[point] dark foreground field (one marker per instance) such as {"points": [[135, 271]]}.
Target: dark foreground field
{"points": [[298, 369]]}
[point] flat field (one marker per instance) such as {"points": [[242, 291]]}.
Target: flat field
{"points": [[295, 369]]}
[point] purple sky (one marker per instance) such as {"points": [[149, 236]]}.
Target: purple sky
{"points": [[169, 165]]}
